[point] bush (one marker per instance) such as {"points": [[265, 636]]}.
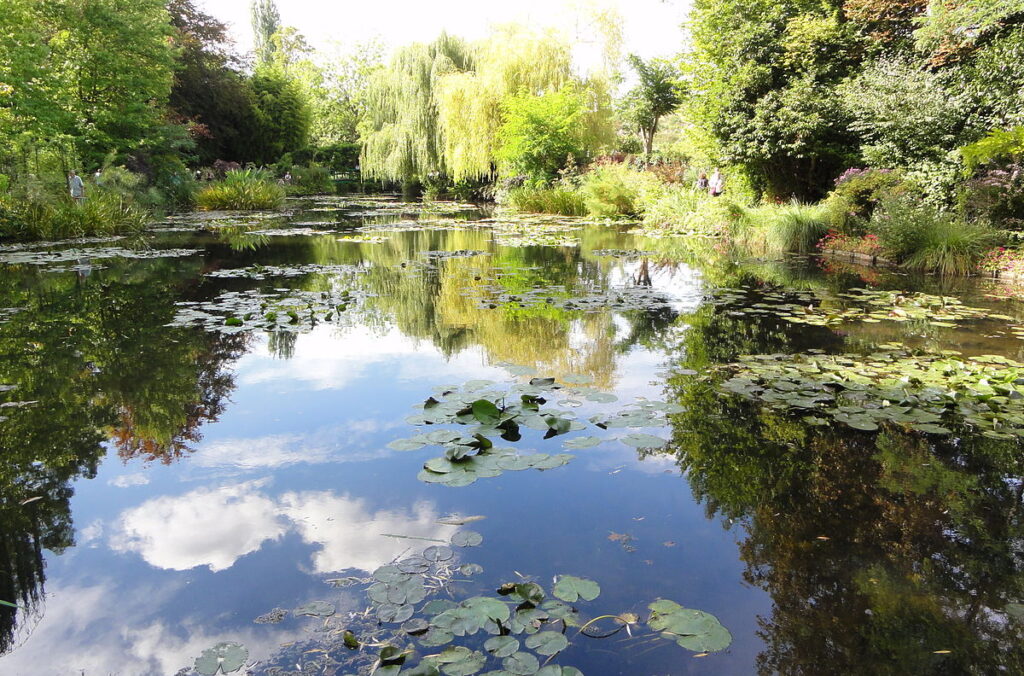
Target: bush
{"points": [[562, 200], [997, 196], [103, 213], [857, 194], [311, 180], [616, 190], [922, 237], [773, 229], [243, 189]]}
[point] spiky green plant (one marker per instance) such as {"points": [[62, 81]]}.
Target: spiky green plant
{"points": [[242, 190]]}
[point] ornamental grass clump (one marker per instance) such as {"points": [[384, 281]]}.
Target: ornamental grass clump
{"points": [[562, 200], [102, 213], [922, 237], [242, 190]]}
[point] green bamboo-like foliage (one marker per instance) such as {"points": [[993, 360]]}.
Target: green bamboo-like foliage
{"points": [[401, 136]]}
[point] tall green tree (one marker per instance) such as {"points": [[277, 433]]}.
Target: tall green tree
{"points": [[266, 21], [655, 96]]}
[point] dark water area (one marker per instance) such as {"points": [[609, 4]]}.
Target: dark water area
{"points": [[195, 431]]}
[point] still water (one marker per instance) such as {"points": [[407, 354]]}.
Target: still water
{"points": [[195, 436]]}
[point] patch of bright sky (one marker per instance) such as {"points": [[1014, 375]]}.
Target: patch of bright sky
{"points": [[651, 27]]}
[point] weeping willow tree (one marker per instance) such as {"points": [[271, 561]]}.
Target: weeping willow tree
{"points": [[401, 137], [514, 60]]}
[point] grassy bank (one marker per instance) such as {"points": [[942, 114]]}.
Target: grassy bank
{"points": [[875, 212]]}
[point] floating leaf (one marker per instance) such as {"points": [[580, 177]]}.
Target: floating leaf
{"points": [[570, 589], [467, 538], [223, 658], [638, 440], [438, 553], [547, 642], [692, 629], [315, 609], [522, 664], [501, 646], [580, 443]]}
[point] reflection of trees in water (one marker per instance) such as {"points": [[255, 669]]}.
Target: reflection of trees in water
{"points": [[878, 549], [96, 357], [441, 303]]}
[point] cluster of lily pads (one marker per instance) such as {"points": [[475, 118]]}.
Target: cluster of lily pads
{"points": [[276, 310], [622, 253], [588, 300], [854, 305], [261, 272], [485, 413], [406, 629], [31, 257], [919, 391]]}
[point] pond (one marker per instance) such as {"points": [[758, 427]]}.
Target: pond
{"points": [[367, 431]]}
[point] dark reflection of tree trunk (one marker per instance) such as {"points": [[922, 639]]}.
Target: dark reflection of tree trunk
{"points": [[643, 274]]}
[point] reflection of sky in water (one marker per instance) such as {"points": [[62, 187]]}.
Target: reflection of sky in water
{"points": [[294, 482]]}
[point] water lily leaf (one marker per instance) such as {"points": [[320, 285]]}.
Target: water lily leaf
{"points": [[413, 565], [522, 664], [571, 589], [544, 461], [1015, 610], [438, 553], [410, 444], [349, 640], [558, 425], [547, 642], [530, 592], [489, 608], [639, 440], [471, 569], [442, 436], [223, 658], [577, 379], [602, 397], [390, 612], [390, 574], [315, 609], [416, 626], [501, 646], [424, 668], [580, 443], [542, 382], [435, 636], [692, 629], [486, 412], [460, 661], [555, 670], [467, 538], [391, 655], [460, 621]]}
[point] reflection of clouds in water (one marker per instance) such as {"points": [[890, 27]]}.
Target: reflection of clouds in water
{"points": [[328, 444], [351, 537], [111, 629], [323, 362], [126, 480], [207, 527], [215, 527]]}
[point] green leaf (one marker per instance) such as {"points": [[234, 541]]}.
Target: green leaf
{"points": [[639, 440], [486, 412], [522, 664], [579, 443], [223, 657], [501, 646], [316, 609], [467, 538], [692, 629], [570, 589], [547, 642]]}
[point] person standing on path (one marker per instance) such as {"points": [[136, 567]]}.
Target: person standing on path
{"points": [[76, 186], [717, 183]]}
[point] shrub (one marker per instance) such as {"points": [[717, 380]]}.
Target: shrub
{"points": [[857, 194], [865, 244], [243, 189], [102, 213], [923, 237], [310, 180], [558, 199], [617, 190], [772, 229], [997, 196]]}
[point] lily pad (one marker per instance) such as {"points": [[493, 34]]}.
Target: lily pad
{"points": [[467, 538], [639, 440], [501, 646], [547, 642], [224, 658], [522, 664], [571, 589], [315, 609]]}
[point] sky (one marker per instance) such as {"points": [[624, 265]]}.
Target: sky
{"points": [[652, 27]]}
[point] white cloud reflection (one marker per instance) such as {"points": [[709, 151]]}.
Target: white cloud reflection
{"points": [[216, 527]]}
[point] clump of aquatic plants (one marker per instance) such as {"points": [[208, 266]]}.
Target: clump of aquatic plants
{"points": [[242, 190], [484, 414], [855, 305], [521, 628], [275, 310], [893, 386]]}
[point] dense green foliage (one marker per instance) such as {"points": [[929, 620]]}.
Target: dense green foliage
{"points": [[242, 190]]}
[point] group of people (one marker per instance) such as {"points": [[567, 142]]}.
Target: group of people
{"points": [[714, 185]]}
